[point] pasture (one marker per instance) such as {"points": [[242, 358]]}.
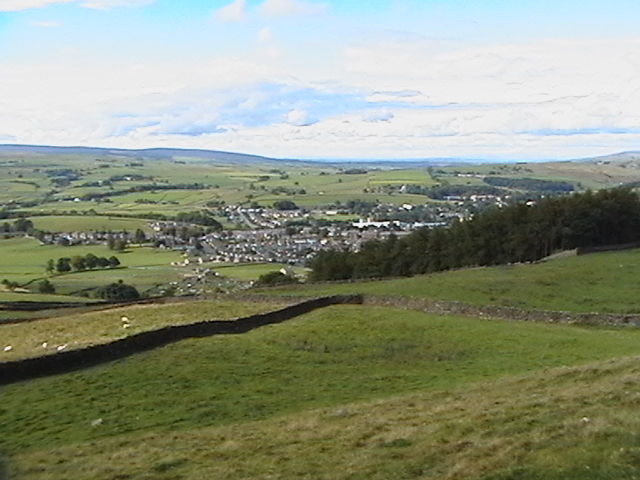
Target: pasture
{"points": [[251, 272], [24, 260], [87, 223], [329, 359], [571, 423], [600, 282], [78, 330]]}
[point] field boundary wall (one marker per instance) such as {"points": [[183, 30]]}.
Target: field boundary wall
{"points": [[68, 361]]}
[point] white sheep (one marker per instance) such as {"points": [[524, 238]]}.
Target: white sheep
{"points": [[60, 348], [124, 319], [45, 344], [8, 348]]}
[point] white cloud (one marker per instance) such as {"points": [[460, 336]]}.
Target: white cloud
{"points": [[17, 5], [554, 98], [233, 12], [284, 8], [384, 115], [299, 118]]}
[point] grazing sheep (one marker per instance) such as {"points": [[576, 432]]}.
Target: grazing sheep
{"points": [[124, 319], [97, 422], [45, 344], [8, 348], [61, 347]]}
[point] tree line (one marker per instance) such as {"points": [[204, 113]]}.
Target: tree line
{"points": [[80, 263], [517, 233]]}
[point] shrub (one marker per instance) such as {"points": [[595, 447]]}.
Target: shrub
{"points": [[45, 286], [275, 278], [118, 291]]}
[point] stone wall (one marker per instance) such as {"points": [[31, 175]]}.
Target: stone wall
{"points": [[505, 313], [63, 362]]}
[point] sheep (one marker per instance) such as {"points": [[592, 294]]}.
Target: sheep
{"points": [[60, 348], [8, 348], [45, 344]]}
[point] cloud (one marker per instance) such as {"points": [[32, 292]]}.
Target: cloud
{"points": [[383, 115], [233, 12], [390, 99], [285, 8], [300, 118], [17, 5]]}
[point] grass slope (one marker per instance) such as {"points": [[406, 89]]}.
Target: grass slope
{"points": [[81, 330], [602, 282], [576, 423], [323, 359]]}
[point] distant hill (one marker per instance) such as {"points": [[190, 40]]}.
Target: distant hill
{"points": [[232, 157], [220, 156], [631, 156], [160, 153]]}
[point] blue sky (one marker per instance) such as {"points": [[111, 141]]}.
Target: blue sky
{"points": [[324, 79]]}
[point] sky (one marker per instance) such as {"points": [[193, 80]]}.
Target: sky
{"points": [[333, 79]]}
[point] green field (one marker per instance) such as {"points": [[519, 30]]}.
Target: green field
{"points": [[251, 272], [23, 260], [569, 424], [84, 223], [82, 329], [599, 282], [326, 359]]}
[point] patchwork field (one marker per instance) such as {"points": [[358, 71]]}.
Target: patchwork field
{"points": [[24, 260]]}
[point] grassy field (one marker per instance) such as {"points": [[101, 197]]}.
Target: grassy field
{"points": [[84, 223], [81, 330], [23, 260], [576, 423], [322, 360], [599, 282], [142, 277], [251, 272], [7, 296]]}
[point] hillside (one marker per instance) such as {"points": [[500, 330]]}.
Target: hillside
{"points": [[570, 423], [401, 394], [598, 282], [156, 153]]}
